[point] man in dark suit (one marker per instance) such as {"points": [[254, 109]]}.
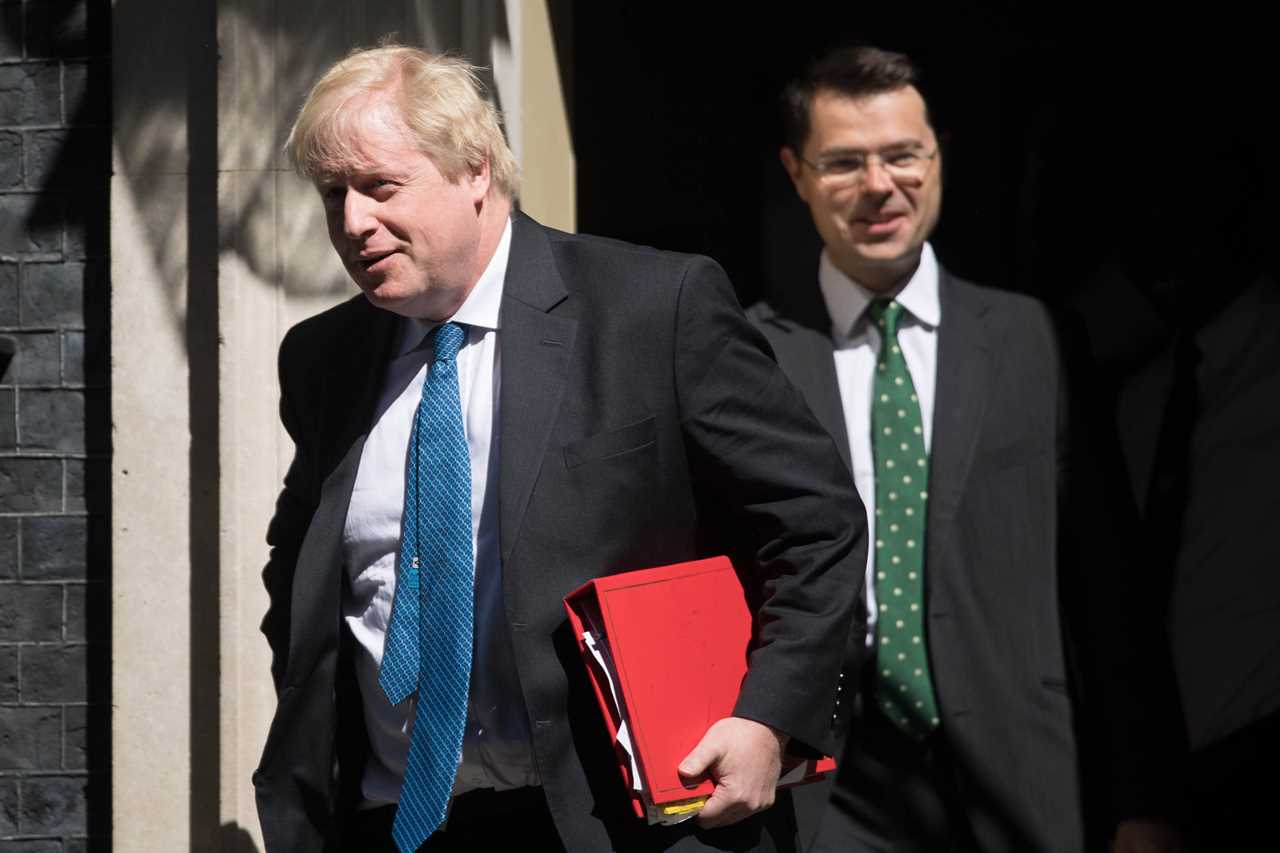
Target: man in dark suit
{"points": [[947, 402], [1190, 353], [506, 412]]}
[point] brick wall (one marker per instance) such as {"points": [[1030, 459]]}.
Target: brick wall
{"points": [[55, 82]]}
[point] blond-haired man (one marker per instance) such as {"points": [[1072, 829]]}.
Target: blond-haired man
{"points": [[507, 412]]}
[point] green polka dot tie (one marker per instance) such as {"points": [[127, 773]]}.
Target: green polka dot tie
{"points": [[903, 685]]}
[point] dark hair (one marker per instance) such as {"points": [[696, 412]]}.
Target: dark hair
{"points": [[853, 71]]}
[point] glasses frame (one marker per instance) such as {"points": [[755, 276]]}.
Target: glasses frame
{"points": [[855, 176]]}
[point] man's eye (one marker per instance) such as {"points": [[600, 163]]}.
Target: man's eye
{"points": [[333, 195], [843, 165], [903, 158]]}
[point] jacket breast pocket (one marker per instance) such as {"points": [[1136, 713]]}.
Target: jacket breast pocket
{"points": [[615, 442]]}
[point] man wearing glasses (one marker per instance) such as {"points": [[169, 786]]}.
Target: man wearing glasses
{"points": [[944, 399]]}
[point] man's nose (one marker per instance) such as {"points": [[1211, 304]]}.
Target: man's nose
{"points": [[357, 215], [876, 177]]}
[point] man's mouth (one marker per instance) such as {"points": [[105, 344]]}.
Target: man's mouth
{"points": [[882, 223], [371, 261]]}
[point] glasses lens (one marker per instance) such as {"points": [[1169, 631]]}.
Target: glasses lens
{"points": [[909, 166]]}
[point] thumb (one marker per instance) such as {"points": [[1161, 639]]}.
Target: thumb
{"points": [[697, 761]]}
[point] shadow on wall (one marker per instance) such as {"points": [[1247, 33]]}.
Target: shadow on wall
{"points": [[234, 838]]}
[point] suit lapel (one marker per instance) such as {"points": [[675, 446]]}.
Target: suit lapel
{"points": [[1140, 409], [806, 358], [355, 377], [804, 349], [536, 349], [964, 377], [352, 381]]}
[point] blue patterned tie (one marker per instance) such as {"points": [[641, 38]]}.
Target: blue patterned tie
{"points": [[429, 640]]}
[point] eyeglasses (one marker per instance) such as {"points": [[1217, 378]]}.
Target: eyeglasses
{"points": [[907, 165]]}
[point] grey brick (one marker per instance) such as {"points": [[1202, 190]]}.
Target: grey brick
{"points": [[30, 485], [76, 745], [81, 845], [30, 223], [8, 294], [36, 359], [88, 485], [52, 421], [10, 159], [8, 438], [30, 612], [88, 737], [86, 359], [87, 618], [8, 807], [59, 293], [31, 845], [8, 549], [86, 92], [66, 159], [30, 93], [54, 673], [11, 30], [30, 738], [8, 673], [88, 232], [55, 547], [53, 806]]}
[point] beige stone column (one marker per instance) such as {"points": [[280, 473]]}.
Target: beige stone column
{"points": [[530, 83], [150, 482]]}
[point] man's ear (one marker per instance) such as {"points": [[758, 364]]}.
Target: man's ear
{"points": [[792, 164], [479, 179]]}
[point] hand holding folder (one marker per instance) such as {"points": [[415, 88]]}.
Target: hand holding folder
{"points": [[744, 758], [666, 652]]}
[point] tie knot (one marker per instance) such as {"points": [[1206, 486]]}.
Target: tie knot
{"points": [[886, 313], [449, 339]]}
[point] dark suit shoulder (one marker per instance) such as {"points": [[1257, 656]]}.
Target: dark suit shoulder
{"points": [[320, 331], [587, 258], [1014, 316], [1006, 302], [802, 314]]}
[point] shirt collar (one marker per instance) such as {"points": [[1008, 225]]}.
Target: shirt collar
{"points": [[847, 300], [482, 304]]}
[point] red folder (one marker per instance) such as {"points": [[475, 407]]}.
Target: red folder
{"points": [[678, 638]]}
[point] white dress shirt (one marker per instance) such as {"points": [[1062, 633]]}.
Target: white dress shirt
{"points": [[497, 751], [857, 345]]}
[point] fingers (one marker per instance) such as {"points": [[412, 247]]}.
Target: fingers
{"points": [[727, 806]]}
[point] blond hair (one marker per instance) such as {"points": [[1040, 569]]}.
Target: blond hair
{"points": [[436, 98]]}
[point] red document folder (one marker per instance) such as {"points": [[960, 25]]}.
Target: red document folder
{"points": [[678, 638]]}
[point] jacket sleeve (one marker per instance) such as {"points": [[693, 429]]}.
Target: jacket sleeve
{"points": [[768, 474]]}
